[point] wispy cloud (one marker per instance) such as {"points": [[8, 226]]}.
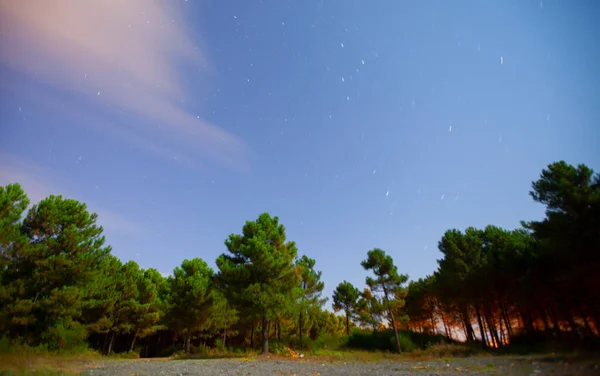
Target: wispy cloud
{"points": [[38, 184], [129, 53]]}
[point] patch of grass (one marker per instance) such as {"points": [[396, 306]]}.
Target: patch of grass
{"points": [[360, 356], [214, 353], [18, 359], [43, 364], [124, 355], [454, 351]]}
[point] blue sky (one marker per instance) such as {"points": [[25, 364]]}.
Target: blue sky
{"points": [[360, 124]]}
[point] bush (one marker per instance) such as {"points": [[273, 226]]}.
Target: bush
{"points": [[66, 335], [323, 342], [383, 340], [4, 345], [328, 342], [278, 348], [406, 343], [167, 351]]}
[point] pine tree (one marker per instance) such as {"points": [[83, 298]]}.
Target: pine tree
{"points": [[148, 309], [13, 246], [192, 294], [369, 310], [345, 298], [387, 281], [60, 267], [312, 287], [259, 272]]}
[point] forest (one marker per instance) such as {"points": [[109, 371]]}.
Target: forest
{"points": [[495, 288]]}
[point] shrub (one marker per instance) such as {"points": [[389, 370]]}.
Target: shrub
{"points": [[66, 335], [328, 342], [383, 340], [4, 345]]}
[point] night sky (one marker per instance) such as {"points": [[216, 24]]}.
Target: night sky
{"points": [[360, 124]]}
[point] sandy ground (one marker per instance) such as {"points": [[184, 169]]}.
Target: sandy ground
{"points": [[458, 366]]}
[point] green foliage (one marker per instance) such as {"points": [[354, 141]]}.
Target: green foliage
{"points": [[327, 342], [389, 283], [65, 335], [529, 289], [49, 279], [505, 286], [383, 340], [345, 298], [13, 202], [192, 295], [369, 310], [310, 300], [259, 273], [223, 319]]}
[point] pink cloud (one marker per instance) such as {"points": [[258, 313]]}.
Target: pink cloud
{"points": [[128, 53]]}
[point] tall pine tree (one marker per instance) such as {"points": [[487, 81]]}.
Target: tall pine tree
{"points": [[345, 298], [389, 283], [259, 271], [312, 287]]}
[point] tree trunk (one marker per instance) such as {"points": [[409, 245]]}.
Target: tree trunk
{"points": [[446, 327], [265, 336], [396, 332], [489, 318], [225, 327], [464, 328], [501, 331], [481, 329], [188, 340], [391, 312], [432, 319], [527, 322], [110, 344], [252, 336], [572, 325], [278, 331], [544, 319], [467, 323], [555, 324], [133, 341], [105, 342], [347, 323], [586, 323], [507, 323], [300, 329]]}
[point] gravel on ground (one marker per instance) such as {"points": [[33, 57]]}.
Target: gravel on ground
{"points": [[514, 366]]}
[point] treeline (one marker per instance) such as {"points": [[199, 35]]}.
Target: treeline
{"points": [[537, 283], [62, 288]]}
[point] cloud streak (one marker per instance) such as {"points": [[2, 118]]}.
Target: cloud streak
{"points": [[129, 53]]}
